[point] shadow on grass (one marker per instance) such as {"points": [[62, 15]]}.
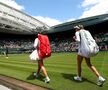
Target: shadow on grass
{"points": [[32, 77], [71, 77]]}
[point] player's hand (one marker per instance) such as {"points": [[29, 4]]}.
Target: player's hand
{"points": [[74, 37]]}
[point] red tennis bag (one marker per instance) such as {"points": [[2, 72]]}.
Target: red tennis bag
{"points": [[44, 46]]}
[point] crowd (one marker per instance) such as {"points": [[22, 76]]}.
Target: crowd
{"points": [[57, 45], [68, 45], [102, 40], [16, 45]]}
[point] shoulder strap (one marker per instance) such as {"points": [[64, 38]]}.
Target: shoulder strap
{"points": [[80, 37]]}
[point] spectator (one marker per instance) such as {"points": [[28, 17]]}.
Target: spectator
{"points": [[6, 51]]}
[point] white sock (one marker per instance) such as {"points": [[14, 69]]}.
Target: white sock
{"points": [[47, 78], [101, 78]]}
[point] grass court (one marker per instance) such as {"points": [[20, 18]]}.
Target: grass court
{"points": [[61, 68]]}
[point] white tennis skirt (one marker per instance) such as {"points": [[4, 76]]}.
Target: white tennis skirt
{"points": [[34, 55]]}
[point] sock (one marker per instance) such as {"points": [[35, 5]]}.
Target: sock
{"points": [[101, 78], [47, 78]]}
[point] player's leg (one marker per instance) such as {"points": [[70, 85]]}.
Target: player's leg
{"points": [[79, 62], [101, 80], [38, 70], [41, 65]]}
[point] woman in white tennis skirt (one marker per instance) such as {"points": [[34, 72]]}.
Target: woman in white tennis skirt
{"points": [[83, 52], [35, 57]]}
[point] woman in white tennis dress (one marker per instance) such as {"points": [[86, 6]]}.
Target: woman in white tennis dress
{"points": [[83, 52], [35, 57]]}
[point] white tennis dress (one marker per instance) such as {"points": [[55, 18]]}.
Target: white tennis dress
{"points": [[83, 48], [34, 55]]}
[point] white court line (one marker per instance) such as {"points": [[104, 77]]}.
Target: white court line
{"points": [[4, 88]]}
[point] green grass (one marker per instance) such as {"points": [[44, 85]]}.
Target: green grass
{"points": [[61, 68]]}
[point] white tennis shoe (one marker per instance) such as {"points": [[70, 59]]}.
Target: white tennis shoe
{"points": [[77, 78], [47, 80], [101, 81], [36, 75]]}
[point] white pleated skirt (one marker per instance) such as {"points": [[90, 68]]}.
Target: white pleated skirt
{"points": [[84, 49], [34, 55]]}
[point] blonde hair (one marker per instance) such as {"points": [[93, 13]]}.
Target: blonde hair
{"points": [[81, 26]]}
